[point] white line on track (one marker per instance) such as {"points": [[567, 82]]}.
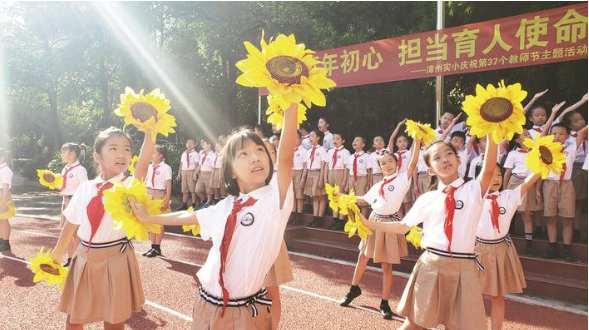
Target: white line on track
{"points": [[534, 301]]}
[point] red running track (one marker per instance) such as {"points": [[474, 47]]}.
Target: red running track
{"points": [[309, 302]]}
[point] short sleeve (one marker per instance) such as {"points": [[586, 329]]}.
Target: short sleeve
{"points": [[83, 175], [6, 178], [515, 197], [416, 214], [372, 194], [72, 211], [509, 161], [369, 166], [210, 217], [168, 174], [472, 168]]}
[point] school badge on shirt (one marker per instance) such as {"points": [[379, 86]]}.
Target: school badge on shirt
{"points": [[459, 205], [248, 219]]}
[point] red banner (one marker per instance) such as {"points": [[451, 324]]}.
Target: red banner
{"points": [[542, 37]]}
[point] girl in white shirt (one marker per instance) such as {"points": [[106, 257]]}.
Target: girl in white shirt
{"points": [[217, 180], [74, 174], [246, 228], [314, 177], [494, 248], [337, 174], [92, 291], [6, 205], [444, 287]]}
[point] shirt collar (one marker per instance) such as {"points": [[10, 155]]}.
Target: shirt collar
{"points": [[257, 194], [496, 193], [113, 179], [359, 153], [456, 183], [76, 163]]}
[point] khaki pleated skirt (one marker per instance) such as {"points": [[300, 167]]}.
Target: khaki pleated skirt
{"points": [[529, 202], [312, 184], [102, 285], [281, 271], [409, 196], [382, 246], [206, 316], [503, 271], [444, 290], [297, 184], [423, 180], [337, 177]]}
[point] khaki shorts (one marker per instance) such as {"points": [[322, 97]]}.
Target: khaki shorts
{"points": [[423, 180], [187, 181], [203, 185], [579, 179], [360, 186], [559, 198], [297, 176]]}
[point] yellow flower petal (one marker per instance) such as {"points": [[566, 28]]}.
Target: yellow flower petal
{"points": [[49, 179], [42, 262]]}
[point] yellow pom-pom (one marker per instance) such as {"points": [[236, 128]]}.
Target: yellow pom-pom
{"points": [[420, 131], [414, 237]]}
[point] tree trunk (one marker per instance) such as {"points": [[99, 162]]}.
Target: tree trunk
{"points": [[103, 81], [54, 117]]}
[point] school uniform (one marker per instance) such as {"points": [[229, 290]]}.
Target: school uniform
{"points": [[189, 159], [73, 175], [558, 190], [503, 270], [386, 198], [536, 131], [217, 180], [155, 181], [579, 177], [423, 178], [103, 282], [281, 270], [328, 141], [440, 131], [443, 287], [314, 161], [480, 158], [253, 248], [298, 163], [336, 161], [376, 172], [358, 165], [207, 165], [6, 178], [463, 156], [306, 142], [516, 161], [403, 160]]}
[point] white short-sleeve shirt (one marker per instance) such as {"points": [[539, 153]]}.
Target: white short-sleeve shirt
{"points": [[393, 191], [508, 201], [319, 157], [585, 163], [421, 165], [570, 151], [456, 128], [328, 141], [5, 176], [207, 161], [218, 160], [298, 160], [255, 243], [363, 164], [403, 160], [535, 131], [516, 161], [76, 213], [193, 159], [580, 157], [157, 179], [341, 158], [430, 209], [76, 175], [463, 156], [374, 157]]}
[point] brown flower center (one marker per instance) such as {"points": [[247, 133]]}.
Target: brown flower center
{"points": [[546, 155], [142, 111], [48, 177], [49, 269], [287, 69], [496, 109]]}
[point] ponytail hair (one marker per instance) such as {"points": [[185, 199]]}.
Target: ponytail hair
{"points": [[72, 147]]}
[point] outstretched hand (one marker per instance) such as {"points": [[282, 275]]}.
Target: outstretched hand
{"points": [[540, 94], [138, 209]]}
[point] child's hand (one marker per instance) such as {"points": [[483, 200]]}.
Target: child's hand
{"points": [[455, 120], [56, 258], [178, 177], [139, 210], [539, 95], [584, 98], [416, 190], [538, 196], [556, 108], [320, 184], [402, 122]]}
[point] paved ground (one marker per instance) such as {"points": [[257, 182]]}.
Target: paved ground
{"points": [[309, 302]]}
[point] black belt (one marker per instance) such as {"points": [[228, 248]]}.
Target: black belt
{"points": [[457, 255], [124, 242], [247, 301], [517, 176], [506, 239]]}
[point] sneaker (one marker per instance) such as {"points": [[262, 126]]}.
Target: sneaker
{"points": [[333, 224], [153, 253], [293, 217], [181, 207], [146, 252], [385, 311], [297, 220], [312, 224], [551, 253], [567, 255], [202, 205], [319, 223], [354, 293], [4, 246], [530, 252], [341, 224], [67, 262]]}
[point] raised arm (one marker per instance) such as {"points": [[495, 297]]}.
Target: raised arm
{"points": [[144, 157], [395, 133], [414, 158], [555, 110], [285, 151], [450, 127], [533, 100], [529, 183], [170, 219], [573, 107], [488, 165], [581, 136]]}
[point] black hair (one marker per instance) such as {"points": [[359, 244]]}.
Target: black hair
{"points": [[479, 168], [340, 134], [427, 158], [235, 143], [106, 134], [384, 153], [537, 107], [325, 120], [306, 127], [299, 134], [72, 147], [319, 134], [162, 150], [563, 125], [567, 118], [459, 134]]}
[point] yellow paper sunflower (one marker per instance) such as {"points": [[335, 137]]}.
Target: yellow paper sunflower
{"points": [[10, 211], [496, 110], [46, 269], [117, 203], [346, 204], [287, 70], [358, 227], [423, 132], [333, 199], [276, 114], [132, 165], [147, 112], [414, 237], [49, 179], [195, 229], [545, 156]]}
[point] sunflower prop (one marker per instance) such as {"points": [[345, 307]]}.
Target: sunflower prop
{"points": [[545, 156], [333, 199], [496, 111], [276, 114], [147, 112], [414, 237], [195, 229], [423, 132], [117, 203], [345, 204], [132, 165], [10, 211], [287, 70], [49, 179], [46, 269]]}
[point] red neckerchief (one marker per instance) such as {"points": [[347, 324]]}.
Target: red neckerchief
{"points": [[188, 151], [95, 208], [312, 157], [154, 167], [450, 205], [384, 183], [400, 159], [494, 210], [67, 170], [334, 159]]}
